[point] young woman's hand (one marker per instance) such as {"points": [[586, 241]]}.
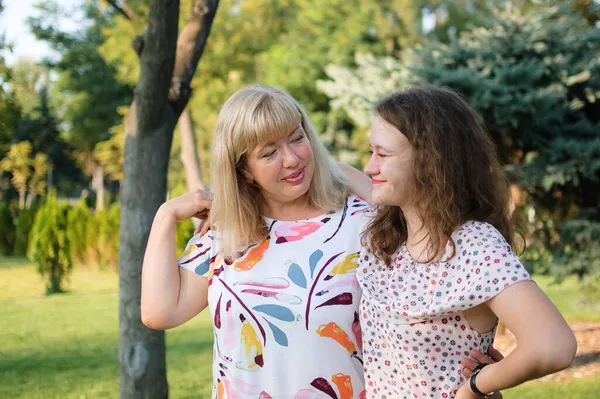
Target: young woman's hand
{"points": [[193, 204], [464, 392], [475, 358]]}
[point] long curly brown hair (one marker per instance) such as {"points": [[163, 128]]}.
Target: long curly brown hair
{"points": [[456, 170]]}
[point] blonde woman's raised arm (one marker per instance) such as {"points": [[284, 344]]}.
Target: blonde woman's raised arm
{"points": [[171, 295], [360, 182]]}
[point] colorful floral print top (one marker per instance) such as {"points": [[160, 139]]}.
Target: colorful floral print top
{"points": [[414, 330], [285, 313]]}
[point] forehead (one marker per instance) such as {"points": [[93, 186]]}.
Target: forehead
{"points": [[273, 120], [385, 135]]}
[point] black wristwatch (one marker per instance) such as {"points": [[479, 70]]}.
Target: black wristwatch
{"points": [[473, 383]]}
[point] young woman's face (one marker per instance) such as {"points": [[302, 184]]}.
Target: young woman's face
{"points": [[390, 165], [284, 169]]}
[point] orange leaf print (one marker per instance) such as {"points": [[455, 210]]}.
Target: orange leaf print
{"points": [[344, 385], [253, 257], [334, 331]]}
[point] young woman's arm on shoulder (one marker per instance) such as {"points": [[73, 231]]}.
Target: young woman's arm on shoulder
{"points": [[171, 295], [360, 182], [545, 343]]}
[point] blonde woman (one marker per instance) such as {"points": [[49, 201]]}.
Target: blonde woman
{"points": [[278, 268]]}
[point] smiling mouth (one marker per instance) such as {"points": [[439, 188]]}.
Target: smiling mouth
{"points": [[295, 177]]}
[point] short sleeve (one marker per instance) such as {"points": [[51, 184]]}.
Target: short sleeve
{"points": [[197, 255], [483, 265]]}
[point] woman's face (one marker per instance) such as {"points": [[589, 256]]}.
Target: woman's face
{"points": [[283, 169], [390, 165]]}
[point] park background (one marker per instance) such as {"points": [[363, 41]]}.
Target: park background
{"points": [[68, 179]]}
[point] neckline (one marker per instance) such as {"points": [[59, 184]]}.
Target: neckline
{"points": [[269, 220], [448, 251]]}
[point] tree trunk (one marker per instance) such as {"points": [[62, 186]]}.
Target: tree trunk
{"points": [[30, 198], [189, 154], [98, 185], [22, 193], [189, 151], [168, 64]]}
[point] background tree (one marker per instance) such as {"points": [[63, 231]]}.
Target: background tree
{"points": [[87, 93], [168, 62], [18, 163]]}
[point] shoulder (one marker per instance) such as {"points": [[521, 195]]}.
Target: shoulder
{"points": [[478, 234]]}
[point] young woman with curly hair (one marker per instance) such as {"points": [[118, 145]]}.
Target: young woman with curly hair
{"points": [[438, 269]]}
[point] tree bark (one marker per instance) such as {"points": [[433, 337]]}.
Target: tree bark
{"points": [[162, 93]]}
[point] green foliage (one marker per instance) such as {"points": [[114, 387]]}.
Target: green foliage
{"points": [[96, 221], [7, 230], [79, 220], [185, 231], [24, 223], [108, 238], [49, 246]]}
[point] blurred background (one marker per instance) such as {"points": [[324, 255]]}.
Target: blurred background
{"points": [[68, 71]]}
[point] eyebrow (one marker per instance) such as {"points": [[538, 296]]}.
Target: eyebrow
{"points": [[262, 147], [378, 147]]}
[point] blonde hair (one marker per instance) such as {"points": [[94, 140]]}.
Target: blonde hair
{"points": [[252, 117]]}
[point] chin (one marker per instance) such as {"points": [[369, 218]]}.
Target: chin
{"points": [[383, 200]]}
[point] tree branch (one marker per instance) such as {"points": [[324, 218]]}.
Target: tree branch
{"points": [[124, 10], [190, 46]]}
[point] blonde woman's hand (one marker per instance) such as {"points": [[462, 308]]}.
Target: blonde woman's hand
{"points": [[193, 204], [476, 357]]}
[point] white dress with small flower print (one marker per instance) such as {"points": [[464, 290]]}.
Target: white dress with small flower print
{"points": [[414, 330]]}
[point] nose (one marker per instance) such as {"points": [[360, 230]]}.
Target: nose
{"points": [[289, 156], [371, 168]]}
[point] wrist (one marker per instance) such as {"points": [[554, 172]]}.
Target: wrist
{"points": [[477, 382], [164, 214]]}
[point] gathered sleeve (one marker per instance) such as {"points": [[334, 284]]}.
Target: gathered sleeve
{"points": [[483, 265], [198, 255]]}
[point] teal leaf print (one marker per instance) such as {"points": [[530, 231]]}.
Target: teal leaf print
{"points": [[341, 299], [203, 267], [315, 257], [279, 335], [276, 311], [297, 276]]}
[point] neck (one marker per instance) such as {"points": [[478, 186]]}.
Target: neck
{"points": [[297, 209], [417, 238]]}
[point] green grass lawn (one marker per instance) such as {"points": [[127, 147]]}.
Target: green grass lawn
{"points": [[65, 346]]}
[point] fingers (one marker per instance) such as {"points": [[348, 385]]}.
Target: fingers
{"points": [[495, 353], [468, 366], [205, 227], [202, 201], [479, 357]]}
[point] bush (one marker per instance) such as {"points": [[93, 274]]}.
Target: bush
{"points": [[93, 247], [108, 237], [185, 231], [7, 230], [24, 224], [79, 220], [49, 245]]}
